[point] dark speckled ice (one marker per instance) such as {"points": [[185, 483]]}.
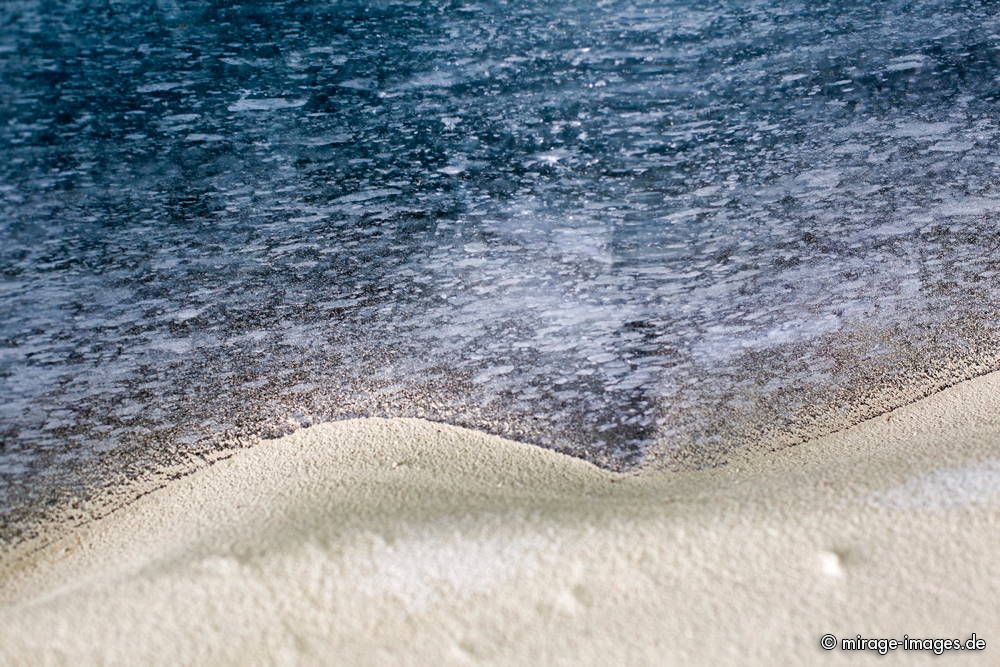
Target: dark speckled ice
{"points": [[626, 230]]}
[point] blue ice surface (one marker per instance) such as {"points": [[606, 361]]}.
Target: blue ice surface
{"points": [[624, 230]]}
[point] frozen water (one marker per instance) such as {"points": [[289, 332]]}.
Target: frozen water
{"points": [[619, 229]]}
